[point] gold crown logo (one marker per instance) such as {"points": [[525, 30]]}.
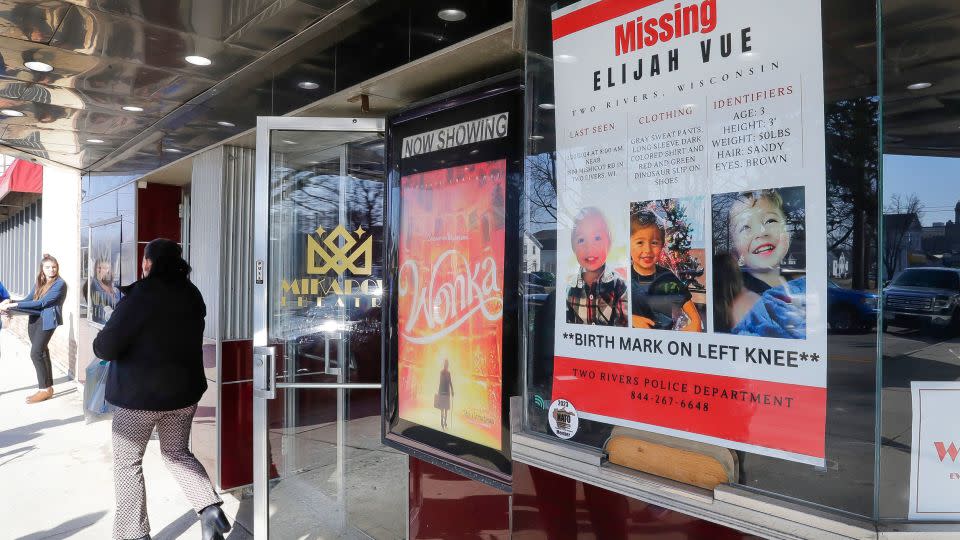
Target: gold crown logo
{"points": [[337, 257]]}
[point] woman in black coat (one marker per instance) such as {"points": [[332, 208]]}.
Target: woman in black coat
{"points": [[156, 378]]}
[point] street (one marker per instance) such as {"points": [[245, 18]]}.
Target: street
{"points": [[56, 470]]}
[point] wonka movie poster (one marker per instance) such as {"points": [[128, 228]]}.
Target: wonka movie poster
{"points": [[451, 300]]}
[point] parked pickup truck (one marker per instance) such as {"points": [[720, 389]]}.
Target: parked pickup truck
{"points": [[923, 298]]}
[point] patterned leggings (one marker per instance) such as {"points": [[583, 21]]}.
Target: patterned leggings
{"points": [[131, 432]]}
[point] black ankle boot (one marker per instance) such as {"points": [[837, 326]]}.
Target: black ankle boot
{"points": [[213, 522]]}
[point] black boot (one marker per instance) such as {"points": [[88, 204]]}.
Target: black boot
{"points": [[213, 522]]}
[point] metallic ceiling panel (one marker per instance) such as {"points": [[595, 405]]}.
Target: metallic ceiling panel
{"points": [[84, 72], [13, 91], [238, 12], [111, 36], [93, 123], [56, 141], [108, 54], [200, 17], [280, 20], [31, 21]]}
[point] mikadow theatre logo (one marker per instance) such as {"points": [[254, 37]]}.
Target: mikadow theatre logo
{"points": [[336, 260]]}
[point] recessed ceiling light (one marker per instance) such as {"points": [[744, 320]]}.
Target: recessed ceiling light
{"points": [[132, 108], [547, 106], [173, 150], [536, 137], [308, 85], [11, 112], [452, 15], [565, 58], [198, 60], [288, 141], [95, 141], [38, 66], [919, 86], [226, 124]]}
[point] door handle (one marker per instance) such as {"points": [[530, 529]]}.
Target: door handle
{"points": [[265, 372]]}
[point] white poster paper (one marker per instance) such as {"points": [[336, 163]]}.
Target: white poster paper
{"points": [[690, 174], [934, 459]]}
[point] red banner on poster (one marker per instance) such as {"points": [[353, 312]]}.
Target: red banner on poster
{"points": [[780, 416], [451, 300]]}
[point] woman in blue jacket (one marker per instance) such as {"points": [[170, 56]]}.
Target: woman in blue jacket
{"points": [[44, 304]]}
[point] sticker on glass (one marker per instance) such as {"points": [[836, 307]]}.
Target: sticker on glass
{"points": [[563, 419]]}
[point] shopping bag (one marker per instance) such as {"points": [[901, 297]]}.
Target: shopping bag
{"points": [[95, 405]]}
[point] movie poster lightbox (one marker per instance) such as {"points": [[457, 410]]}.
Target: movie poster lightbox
{"points": [[452, 254]]}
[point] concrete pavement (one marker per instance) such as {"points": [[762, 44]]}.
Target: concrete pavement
{"points": [[56, 476]]}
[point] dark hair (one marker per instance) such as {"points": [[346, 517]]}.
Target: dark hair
{"points": [[43, 284], [728, 283], [641, 219], [166, 259]]}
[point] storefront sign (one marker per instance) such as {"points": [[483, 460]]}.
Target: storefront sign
{"points": [[495, 126], [450, 306], [690, 172], [331, 256], [935, 452]]}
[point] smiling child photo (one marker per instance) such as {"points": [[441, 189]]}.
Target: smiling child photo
{"points": [[597, 292], [759, 263], [667, 264]]}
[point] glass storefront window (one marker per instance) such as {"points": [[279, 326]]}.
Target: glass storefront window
{"points": [[919, 259], [844, 480]]}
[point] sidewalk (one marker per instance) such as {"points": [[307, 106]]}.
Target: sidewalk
{"points": [[56, 475]]}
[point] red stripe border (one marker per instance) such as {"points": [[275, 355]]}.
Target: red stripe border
{"points": [[602, 11]]}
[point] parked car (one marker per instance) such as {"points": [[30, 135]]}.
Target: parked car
{"points": [[923, 298], [850, 309]]}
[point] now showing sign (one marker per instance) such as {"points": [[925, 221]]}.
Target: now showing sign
{"points": [[935, 454]]}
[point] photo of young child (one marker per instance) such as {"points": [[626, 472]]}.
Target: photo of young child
{"points": [[759, 263], [666, 250], [597, 294]]}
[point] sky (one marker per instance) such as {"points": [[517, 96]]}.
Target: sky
{"points": [[935, 181]]}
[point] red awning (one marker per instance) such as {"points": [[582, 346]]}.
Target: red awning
{"points": [[21, 177]]}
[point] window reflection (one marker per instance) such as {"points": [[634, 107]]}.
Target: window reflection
{"points": [[326, 220], [921, 301]]}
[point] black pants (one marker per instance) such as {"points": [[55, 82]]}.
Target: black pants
{"points": [[39, 339]]}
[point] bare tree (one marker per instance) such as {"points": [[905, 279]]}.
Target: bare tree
{"points": [[909, 210], [542, 192]]}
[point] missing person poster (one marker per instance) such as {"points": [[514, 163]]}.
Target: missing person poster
{"points": [[690, 173], [450, 300]]}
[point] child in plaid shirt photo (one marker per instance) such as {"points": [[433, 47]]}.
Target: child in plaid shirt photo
{"points": [[598, 295]]}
